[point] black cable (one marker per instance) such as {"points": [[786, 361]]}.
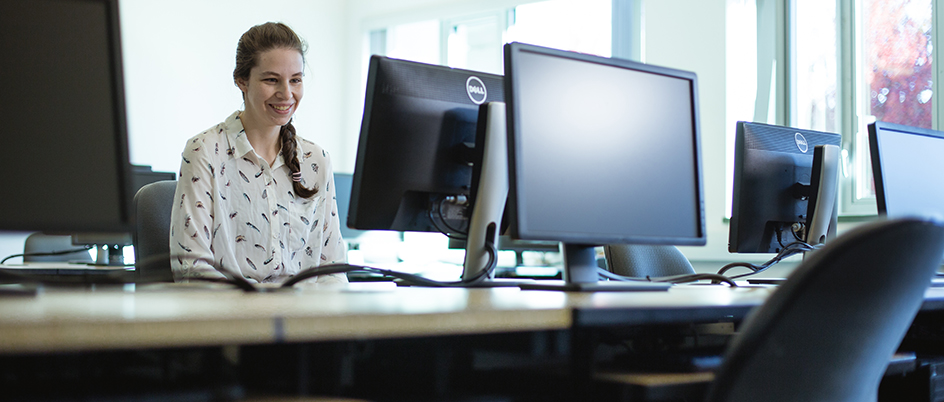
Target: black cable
{"points": [[791, 249], [446, 222], [440, 229], [780, 236], [798, 231], [698, 277], [230, 277], [412, 279], [669, 279], [47, 253]]}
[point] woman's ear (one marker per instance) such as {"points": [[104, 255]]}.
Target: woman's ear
{"points": [[242, 84]]}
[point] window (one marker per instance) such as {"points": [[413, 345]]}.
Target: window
{"points": [[848, 63], [417, 41], [896, 82], [475, 42], [815, 68], [578, 25]]}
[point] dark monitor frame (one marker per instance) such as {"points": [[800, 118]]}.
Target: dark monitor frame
{"points": [[53, 152], [580, 267], [408, 177], [774, 181]]}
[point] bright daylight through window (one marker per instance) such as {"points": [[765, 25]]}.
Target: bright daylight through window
{"points": [[848, 63]]}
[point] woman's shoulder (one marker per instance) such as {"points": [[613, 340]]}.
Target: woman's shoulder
{"points": [[201, 143], [308, 149], [211, 140]]}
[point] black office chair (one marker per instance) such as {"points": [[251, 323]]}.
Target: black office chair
{"points": [[828, 333], [829, 330], [151, 236], [640, 260]]}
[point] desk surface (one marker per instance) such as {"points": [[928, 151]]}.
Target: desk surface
{"points": [[177, 315], [174, 315]]}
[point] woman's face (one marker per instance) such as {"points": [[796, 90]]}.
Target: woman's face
{"points": [[274, 88]]}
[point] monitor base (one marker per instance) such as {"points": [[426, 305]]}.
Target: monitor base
{"points": [[607, 286], [492, 283], [503, 283]]}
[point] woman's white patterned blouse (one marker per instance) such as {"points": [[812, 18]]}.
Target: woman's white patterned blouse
{"points": [[232, 208]]}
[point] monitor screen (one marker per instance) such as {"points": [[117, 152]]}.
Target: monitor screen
{"points": [[772, 164], [64, 132], [416, 150], [601, 151], [908, 170]]}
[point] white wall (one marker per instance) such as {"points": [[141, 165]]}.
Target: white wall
{"points": [[690, 35]]}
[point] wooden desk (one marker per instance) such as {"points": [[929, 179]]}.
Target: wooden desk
{"points": [[154, 316], [339, 340], [181, 315]]}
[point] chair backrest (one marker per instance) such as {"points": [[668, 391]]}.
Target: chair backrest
{"points": [[38, 243], [828, 332], [640, 260], [151, 236]]}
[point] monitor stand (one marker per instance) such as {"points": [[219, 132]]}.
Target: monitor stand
{"points": [[489, 203], [580, 275], [822, 209]]}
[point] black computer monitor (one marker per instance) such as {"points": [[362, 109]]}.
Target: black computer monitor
{"points": [[601, 151], [65, 150], [416, 150], [778, 181], [908, 168]]}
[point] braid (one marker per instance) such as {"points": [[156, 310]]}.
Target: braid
{"points": [[290, 155]]}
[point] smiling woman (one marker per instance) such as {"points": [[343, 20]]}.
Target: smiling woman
{"points": [[254, 199]]}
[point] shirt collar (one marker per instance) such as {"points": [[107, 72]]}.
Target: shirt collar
{"points": [[236, 136]]}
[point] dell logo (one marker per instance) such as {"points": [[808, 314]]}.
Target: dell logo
{"points": [[801, 143], [476, 90]]}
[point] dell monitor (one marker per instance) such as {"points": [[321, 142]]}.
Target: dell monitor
{"points": [[419, 148], [66, 165], [784, 187], [601, 151], [415, 154], [908, 168]]}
